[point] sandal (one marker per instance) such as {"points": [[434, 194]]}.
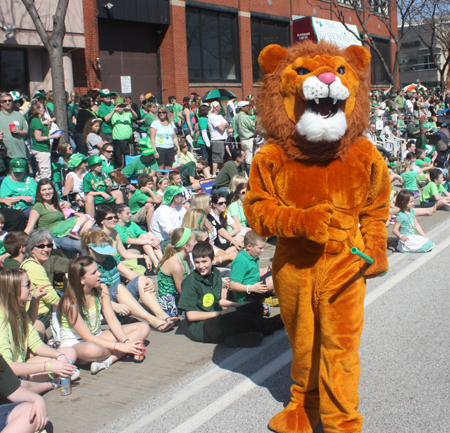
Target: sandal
{"points": [[267, 310], [164, 327]]}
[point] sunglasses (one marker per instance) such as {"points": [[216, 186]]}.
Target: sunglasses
{"points": [[42, 246], [108, 151], [6, 101], [161, 112], [220, 203], [110, 218]]}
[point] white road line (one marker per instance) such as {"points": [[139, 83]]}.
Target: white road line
{"points": [[228, 365], [238, 391], [413, 266], [232, 362]]}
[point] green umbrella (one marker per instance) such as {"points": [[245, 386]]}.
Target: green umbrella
{"points": [[218, 95]]}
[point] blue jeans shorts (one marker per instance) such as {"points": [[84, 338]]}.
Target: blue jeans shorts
{"points": [[5, 410], [132, 287]]}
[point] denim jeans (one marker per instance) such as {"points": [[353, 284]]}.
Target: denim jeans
{"points": [[71, 247]]}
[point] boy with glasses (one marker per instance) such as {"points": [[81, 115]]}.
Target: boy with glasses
{"points": [[13, 128]]}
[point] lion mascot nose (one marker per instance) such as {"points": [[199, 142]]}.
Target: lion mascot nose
{"points": [[327, 77]]}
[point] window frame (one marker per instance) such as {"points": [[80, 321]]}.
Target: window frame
{"points": [[194, 8]]}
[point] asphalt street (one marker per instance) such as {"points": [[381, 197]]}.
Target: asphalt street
{"points": [[405, 378]]}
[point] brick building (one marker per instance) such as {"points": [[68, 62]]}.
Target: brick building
{"points": [[176, 47]]}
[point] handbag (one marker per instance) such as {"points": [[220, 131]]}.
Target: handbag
{"points": [[118, 177]]}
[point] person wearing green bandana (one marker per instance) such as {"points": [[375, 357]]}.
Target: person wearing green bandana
{"points": [[19, 186], [97, 186], [146, 163]]}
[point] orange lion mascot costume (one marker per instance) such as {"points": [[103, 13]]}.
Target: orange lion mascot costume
{"points": [[322, 188]]}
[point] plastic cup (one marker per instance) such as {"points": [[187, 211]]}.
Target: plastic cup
{"points": [[11, 126]]}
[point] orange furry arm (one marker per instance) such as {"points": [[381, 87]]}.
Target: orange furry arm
{"points": [[266, 213], [373, 218]]}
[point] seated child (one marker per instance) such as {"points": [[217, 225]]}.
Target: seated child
{"points": [[15, 244], [239, 325], [247, 281], [434, 194], [411, 237]]}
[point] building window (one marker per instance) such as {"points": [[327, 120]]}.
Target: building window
{"points": [[419, 60], [213, 45], [13, 74], [378, 73], [266, 32]]}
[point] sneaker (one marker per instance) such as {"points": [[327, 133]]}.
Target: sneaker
{"points": [[98, 366], [74, 235], [75, 375], [250, 339]]}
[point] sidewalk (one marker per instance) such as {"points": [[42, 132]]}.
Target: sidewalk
{"points": [[97, 401]]}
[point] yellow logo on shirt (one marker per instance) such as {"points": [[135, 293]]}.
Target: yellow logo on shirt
{"points": [[208, 300]]}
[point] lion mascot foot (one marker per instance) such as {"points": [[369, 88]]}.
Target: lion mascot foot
{"points": [[301, 415]]}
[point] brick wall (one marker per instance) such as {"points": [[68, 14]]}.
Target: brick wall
{"points": [[86, 76]]}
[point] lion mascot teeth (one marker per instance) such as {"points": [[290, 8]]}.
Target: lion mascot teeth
{"points": [[322, 188]]}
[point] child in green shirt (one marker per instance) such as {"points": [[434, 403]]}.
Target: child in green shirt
{"points": [[434, 193], [239, 325]]}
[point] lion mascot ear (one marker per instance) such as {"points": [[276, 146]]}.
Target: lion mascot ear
{"points": [[270, 57], [361, 56]]}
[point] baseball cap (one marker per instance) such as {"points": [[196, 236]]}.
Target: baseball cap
{"points": [[107, 92], [75, 160], [148, 95], [146, 146], [92, 160], [16, 95], [104, 249], [18, 165], [241, 104], [39, 95], [119, 100], [170, 192], [214, 104]]}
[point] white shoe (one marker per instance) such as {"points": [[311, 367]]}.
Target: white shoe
{"points": [[98, 366], [75, 375]]}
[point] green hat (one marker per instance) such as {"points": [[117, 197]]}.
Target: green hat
{"points": [[107, 92], [16, 95], [75, 160], [92, 160], [119, 100], [39, 95], [146, 146], [171, 192], [18, 165]]}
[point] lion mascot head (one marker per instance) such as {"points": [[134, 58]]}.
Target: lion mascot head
{"points": [[315, 98]]}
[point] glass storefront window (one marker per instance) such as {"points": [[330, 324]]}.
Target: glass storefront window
{"points": [[13, 74]]}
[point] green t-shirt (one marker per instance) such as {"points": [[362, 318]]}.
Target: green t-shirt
{"points": [[40, 146], [47, 218], [14, 143], [26, 187], [244, 270], [430, 190], [94, 182], [131, 230], [175, 109], [138, 200], [71, 112], [410, 180], [136, 166], [235, 210], [202, 125], [148, 120], [102, 112], [186, 170], [228, 171], [197, 294], [56, 172], [121, 125], [107, 166], [11, 263]]}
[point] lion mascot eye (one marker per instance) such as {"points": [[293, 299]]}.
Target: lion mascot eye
{"points": [[341, 70], [303, 71]]}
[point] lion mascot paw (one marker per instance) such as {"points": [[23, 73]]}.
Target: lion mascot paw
{"points": [[322, 188]]}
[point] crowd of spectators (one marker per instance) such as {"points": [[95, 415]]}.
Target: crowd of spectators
{"points": [[133, 223]]}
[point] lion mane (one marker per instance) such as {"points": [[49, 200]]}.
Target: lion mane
{"points": [[274, 120]]}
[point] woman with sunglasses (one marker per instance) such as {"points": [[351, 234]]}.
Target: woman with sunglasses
{"points": [[79, 313], [106, 219], [236, 208], [37, 252], [164, 138], [106, 154], [174, 268], [18, 338]]}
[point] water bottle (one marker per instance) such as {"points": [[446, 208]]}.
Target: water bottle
{"points": [[66, 387]]}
